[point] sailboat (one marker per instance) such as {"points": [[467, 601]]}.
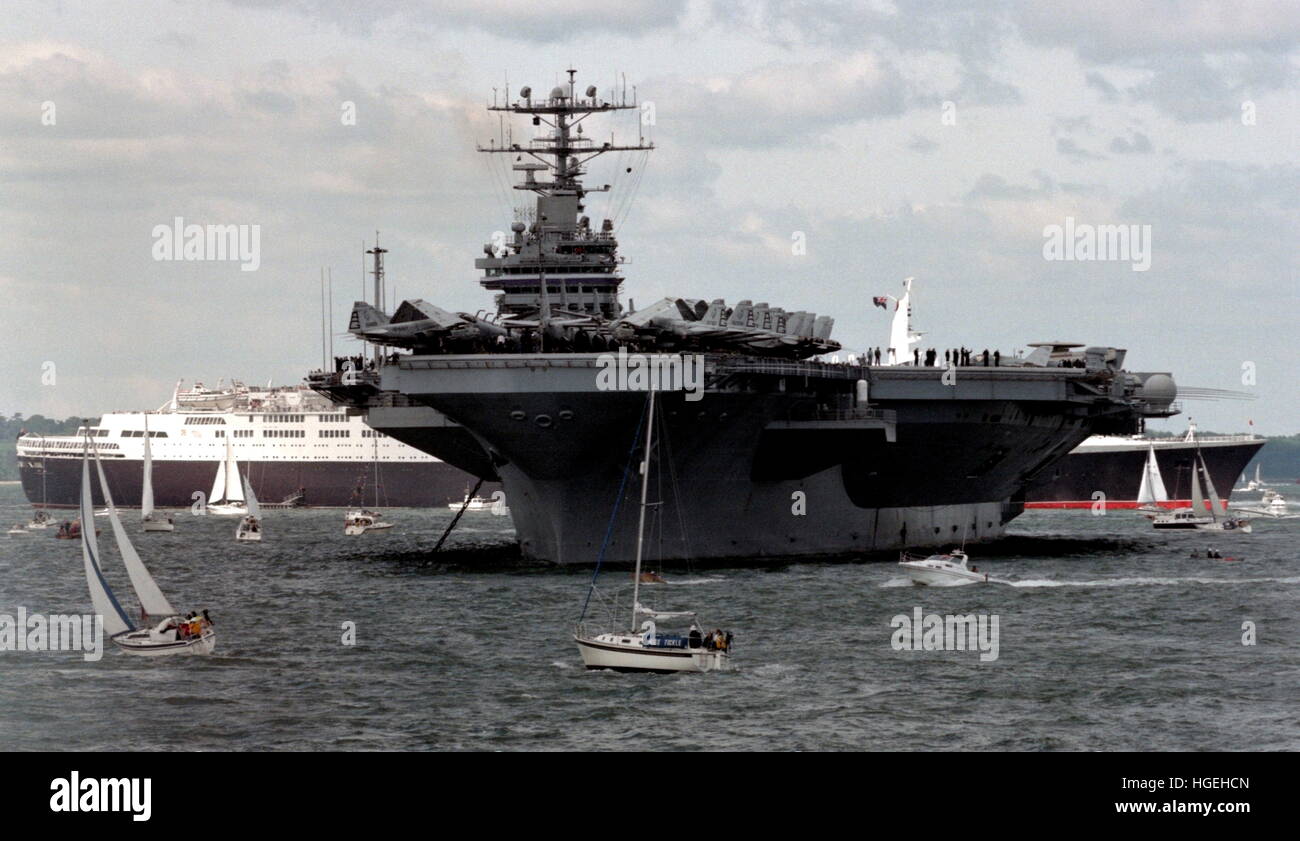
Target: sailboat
{"points": [[644, 649], [170, 633], [358, 521], [227, 497], [151, 520], [41, 519], [1195, 517], [250, 527], [1256, 484], [1152, 490]]}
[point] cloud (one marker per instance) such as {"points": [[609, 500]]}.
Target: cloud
{"points": [[1116, 31], [1067, 147], [922, 145], [1137, 144], [779, 103], [543, 21], [1109, 93]]}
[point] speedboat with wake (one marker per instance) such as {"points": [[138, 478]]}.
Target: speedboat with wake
{"points": [[1273, 505], [948, 570], [163, 630]]}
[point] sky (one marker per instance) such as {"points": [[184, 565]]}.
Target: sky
{"points": [[939, 140]]}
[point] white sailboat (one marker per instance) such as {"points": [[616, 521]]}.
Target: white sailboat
{"points": [[169, 632], [358, 521], [150, 519], [1152, 490], [1256, 484], [645, 649], [1196, 516], [227, 497], [41, 519], [250, 527]]}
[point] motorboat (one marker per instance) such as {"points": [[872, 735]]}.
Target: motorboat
{"points": [[945, 570], [358, 521]]}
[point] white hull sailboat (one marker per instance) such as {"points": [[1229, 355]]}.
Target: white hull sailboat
{"points": [[948, 570], [1152, 490], [227, 497], [151, 520], [40, 520], [1197, 517], [645, 649], [250, 527], [359, 521], [170, 634]]}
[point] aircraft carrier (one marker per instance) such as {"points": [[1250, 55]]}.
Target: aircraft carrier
{"points": [[766, 452]]}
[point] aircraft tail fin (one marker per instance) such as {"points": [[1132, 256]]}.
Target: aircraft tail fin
{"points": [[365, 317]]}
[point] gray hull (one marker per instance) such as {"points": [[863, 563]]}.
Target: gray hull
{"points": [[774, 462]]}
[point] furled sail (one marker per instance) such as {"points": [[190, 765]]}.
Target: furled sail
{"points": [[1153, 485], [146, 589], [146, 494], [101, 595]]}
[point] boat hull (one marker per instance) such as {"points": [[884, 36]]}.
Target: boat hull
{"points": [[324, 484], [932, 577], [631, 658], [204, 644]]}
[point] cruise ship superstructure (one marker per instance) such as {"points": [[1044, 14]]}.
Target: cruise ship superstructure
{"points": [[290, 442]]}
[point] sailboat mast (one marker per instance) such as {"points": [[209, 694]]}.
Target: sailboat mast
{"points": [[645, 485]]}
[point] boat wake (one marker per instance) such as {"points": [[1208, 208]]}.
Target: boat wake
{"points": [[1147, 582], [690, 582]]}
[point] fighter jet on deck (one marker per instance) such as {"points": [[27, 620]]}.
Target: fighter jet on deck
{"points": [[418, 323]]}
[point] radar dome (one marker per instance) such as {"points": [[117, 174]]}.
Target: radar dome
{"points": [[1159, 388], [517, 227], [526, 92], [557, 93]]}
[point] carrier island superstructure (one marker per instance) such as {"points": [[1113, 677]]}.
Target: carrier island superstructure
{"points": [[777, 454]]}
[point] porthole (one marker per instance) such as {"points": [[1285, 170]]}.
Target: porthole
{"points": [[544, 421], [566, 414], [518, 414]]}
